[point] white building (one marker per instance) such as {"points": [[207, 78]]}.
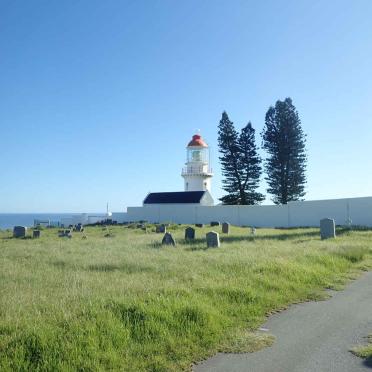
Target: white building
{"points": [[197, 173]]}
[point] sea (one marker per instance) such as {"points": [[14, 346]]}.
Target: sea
{"points": [[9, 220]]}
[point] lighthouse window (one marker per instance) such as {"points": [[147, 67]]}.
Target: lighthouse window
{"points": [[196, 155]]}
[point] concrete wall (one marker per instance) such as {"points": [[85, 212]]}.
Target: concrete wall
{"points": [[307, 213]]}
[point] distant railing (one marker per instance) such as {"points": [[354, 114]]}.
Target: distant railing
{"points": [[196, 170]]}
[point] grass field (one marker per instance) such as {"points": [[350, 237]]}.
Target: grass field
{"points": [[126, 303]]}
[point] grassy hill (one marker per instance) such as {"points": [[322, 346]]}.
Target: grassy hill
{"points": [[124, 302]]}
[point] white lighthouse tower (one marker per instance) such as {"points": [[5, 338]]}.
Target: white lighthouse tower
{"points": [[197, 173]]}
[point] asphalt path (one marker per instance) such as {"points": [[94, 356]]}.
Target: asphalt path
{"points": [[311, 337]]}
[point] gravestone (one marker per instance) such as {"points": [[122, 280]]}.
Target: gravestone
{"points": [[213, 239], [189, 233], [225, 227], [36, 234], [199, 225], [253, 230], [215, 223], [19, 231], [327, 228], [63, 233], [161, 229], [168, 239]]}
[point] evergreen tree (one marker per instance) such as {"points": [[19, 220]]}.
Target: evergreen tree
{"points": [[228, 142], [284, 141], [240, 163], [251, 166]]}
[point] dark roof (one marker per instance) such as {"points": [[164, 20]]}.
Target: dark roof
{"points": [[182, 197]]}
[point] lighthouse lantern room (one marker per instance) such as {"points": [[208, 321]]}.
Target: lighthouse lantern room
{"points": [[197, 174]]}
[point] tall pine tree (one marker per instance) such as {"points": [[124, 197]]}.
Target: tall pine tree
{"points": [[284, 140], [240, 163], [251, 166]]}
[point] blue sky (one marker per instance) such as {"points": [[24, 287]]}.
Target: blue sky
{"points": [[98, 99]]}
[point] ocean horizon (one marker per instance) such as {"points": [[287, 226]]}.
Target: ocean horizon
{"points": [[9, 220]]}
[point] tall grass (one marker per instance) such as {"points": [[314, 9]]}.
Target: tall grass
{"points": [[126, 303]]}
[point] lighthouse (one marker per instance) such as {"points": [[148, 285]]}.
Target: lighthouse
{"points": [[197, 173]]}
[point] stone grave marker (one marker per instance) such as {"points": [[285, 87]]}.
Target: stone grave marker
{"points": [[36, 234], [225, 227], [168, 239], [327, 228], [65, 233], [253, 230], [189, 233], [199, 225], [213, 239], [161, 229], [19, 231], [215, 223]]}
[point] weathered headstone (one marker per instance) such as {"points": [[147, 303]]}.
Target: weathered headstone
{"points": [[19, 231], [215, 223], [327, 228], [189, 233], [213, 239], [225, 227], [253, 230], [161, 229], [36, 234], [199, 225], [63, 233], [168, 239]]}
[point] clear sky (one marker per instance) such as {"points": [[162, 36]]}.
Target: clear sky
{"points": [[98, 99]]}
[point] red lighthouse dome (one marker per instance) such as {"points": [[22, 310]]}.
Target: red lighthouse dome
{"points": [[197, 141]]}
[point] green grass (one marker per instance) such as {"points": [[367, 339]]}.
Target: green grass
{"points": [[364, 351], [123, 302]]}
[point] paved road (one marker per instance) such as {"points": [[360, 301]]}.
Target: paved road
{"points": [[311, 337]]}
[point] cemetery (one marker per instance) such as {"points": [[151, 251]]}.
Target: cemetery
{"points": [[167, 284], [160, 297], [185, 186]]}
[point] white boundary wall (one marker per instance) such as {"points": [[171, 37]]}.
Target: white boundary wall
{"points": [[306, 213]]}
